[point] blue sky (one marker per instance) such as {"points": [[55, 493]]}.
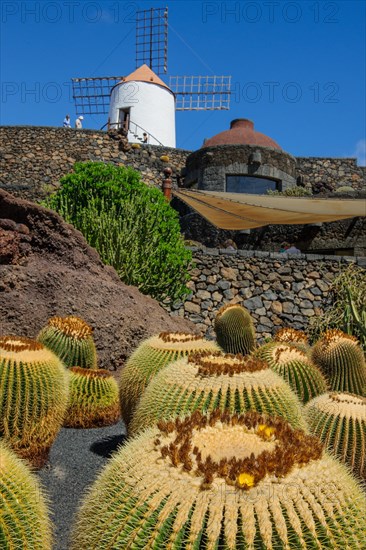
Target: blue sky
{"points": [[297, 67]]}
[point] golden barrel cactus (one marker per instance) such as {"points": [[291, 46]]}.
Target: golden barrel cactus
{"points": [[93, 399], [210, 380], [149, 358], [295, 367], [71, 339], [339, 420], [24, 516], [340, 357], [297, 338], [33, 397], [222, 482], [234, 329]]}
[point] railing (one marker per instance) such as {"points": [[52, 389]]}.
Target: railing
{"points": [[119, 126]]}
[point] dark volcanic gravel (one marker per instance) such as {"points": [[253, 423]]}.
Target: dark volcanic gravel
{"points": [[76, 458]]}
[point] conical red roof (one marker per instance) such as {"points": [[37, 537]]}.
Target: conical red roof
{"points": [[145, 74], [241, 133]]}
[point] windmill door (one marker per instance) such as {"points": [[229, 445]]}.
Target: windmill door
{"points": [[124, 119]]}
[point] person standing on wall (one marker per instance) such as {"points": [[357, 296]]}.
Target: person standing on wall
{"points": [[78, 123], [67, 123]]}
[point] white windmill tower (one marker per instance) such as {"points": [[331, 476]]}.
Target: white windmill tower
{"points": [[142, 105]]}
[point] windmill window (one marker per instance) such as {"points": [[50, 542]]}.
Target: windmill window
{"points": [[251, 184]]}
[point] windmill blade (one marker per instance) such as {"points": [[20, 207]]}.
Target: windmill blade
{"points": [[92, 95], [152, 39], [201, 93]]}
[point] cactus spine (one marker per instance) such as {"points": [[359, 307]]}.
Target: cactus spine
{"points": [[234, 329], [149, 358], [216, 380], [341, 359], [70, 338], [93, 401], [295, 367], [296, 338], [24, 518], [339, 420], [222, 481], [33, 397]]}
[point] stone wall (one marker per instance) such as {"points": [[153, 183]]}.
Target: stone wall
{"points": [[327, 174], [33, 159], [345, 237], [278, 289]]}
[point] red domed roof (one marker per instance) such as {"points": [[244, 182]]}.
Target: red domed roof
{"points": [[241, 133]]}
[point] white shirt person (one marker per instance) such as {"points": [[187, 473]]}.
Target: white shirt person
{"points": [[78, 123]]}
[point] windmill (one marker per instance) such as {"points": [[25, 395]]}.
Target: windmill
{"points": [[142, 105]]}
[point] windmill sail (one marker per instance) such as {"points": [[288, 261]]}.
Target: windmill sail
{"points": [[92, 95], [152, 39], [201, 93]]}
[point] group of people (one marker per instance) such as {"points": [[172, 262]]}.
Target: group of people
{"points": [[79, 125], [78, 122]]}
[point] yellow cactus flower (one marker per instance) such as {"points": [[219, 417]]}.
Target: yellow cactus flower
{"points": [[265, 430], [245, 481]]}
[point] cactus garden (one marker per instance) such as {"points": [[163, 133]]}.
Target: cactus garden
{"points": [[125, 426], [260, 449]]}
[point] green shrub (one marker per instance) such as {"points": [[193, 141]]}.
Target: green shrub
{"points": [[347, 294], [130, 224]]}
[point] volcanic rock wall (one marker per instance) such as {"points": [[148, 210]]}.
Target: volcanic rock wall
{"points": [[327, 174], [33, 159], [278, 289]]}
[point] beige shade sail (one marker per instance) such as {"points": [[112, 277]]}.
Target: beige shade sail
{"points": [[236, 211]]}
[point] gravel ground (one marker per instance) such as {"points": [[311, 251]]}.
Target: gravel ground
{"points": [[76, 458]]}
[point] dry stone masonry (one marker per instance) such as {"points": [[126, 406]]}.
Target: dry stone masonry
{"points": [[33, 159], [328, 174], [278, 289]]}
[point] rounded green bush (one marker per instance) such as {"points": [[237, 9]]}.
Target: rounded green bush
{"points": [[130, 224], [222, 482], [24, 516]]}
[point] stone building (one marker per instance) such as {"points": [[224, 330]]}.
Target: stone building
{"points": [[240, 160]]}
